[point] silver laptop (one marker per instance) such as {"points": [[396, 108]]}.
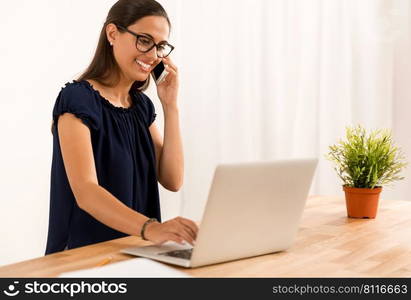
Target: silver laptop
{"points": [[252, 209]]}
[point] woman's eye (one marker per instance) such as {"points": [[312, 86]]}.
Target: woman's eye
{"points": [[145, 41]]}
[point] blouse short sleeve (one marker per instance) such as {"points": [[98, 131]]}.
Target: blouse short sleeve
{"points": [[77, 99], [150, 109]]}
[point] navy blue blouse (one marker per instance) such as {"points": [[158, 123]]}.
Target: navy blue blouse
{"points": [[124, 157]]}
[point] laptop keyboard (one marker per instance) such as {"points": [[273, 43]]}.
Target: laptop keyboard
{"points": [[185, 254]]}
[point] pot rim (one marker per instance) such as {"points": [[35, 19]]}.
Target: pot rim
{"points": [[377, 189]]}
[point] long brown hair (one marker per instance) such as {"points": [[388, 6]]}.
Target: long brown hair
{"points": [[123, 13]]}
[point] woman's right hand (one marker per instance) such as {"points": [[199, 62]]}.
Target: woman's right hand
{"points": [[177, 230]]}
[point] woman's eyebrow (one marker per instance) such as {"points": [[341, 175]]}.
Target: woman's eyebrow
{"points": [[152, 37]]}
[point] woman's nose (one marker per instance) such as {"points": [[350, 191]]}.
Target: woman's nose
{"points": [[153, 53]]}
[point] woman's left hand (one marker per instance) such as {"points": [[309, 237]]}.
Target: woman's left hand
{"points": [[167, 90]]}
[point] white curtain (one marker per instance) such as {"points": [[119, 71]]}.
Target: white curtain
{"points": [[268, 80]]}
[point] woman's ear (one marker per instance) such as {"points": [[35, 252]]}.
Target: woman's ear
{"points": [[112, 33]]}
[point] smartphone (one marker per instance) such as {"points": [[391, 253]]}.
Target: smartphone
{"points": [[159, 73]]}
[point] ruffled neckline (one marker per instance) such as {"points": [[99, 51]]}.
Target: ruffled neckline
{"points": [[107, 103]]}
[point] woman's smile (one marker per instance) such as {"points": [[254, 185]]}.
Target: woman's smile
{"points": [[143, 66]]}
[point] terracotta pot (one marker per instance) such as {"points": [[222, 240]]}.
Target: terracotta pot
{"points": [[361, 202]]}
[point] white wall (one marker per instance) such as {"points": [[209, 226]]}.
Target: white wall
{"points": [[44, 44], [402, 105]]}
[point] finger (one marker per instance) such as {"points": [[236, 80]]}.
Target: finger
{"points": [[183, 234], [186, 234], [174, 68], [170, 70], [170, 63], [193, 226], [183, 231], [168, 60], [175, 238], [170, 76], [190, 224], [188, 231]]}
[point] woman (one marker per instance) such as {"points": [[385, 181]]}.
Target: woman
{"points": [[107, 151]]}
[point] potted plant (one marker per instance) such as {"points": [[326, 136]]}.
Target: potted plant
{"points": [[365, 162]]}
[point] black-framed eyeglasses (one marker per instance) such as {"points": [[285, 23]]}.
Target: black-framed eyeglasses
{"points": [[145, 43]]}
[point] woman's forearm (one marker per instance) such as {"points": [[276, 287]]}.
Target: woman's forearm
{"points": [[172, 157], [107, 209]]}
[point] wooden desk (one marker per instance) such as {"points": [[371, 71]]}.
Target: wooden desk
{"points": [[328, 245]]}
